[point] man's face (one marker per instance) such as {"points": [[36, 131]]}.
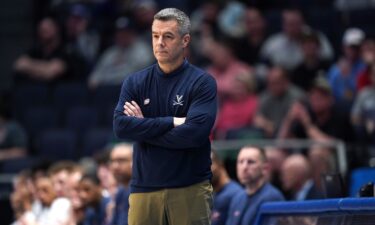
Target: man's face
{"points": [[76, 25], [121, 163], [168, 44], [221, 55], [60, 182], [215, 168], [320, 101], [254, 21], [292, 23], [310, 49], [351, 52], [88, 192], [47, 30], [45, 192], [124, 38], [73, 189], [250, 167], [277, 84], [74, 196], [289, 177]]}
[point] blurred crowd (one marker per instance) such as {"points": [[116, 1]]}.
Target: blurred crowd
{"points": [[71, 193], [278, 77], [95, 191]]}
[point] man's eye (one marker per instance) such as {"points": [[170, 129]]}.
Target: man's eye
{"points": [[250, 162]]}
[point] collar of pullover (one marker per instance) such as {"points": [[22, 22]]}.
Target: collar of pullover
{"points": [[173, 73]]}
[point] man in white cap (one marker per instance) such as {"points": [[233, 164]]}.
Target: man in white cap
{"points": [[343, 74]]}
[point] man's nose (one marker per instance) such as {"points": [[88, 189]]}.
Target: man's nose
{"points": [[160, 41]]}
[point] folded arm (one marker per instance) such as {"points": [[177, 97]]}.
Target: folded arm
{"points": [[41, 69], [194, 132], [135, 127]]}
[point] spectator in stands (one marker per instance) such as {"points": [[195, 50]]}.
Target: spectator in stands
{"points": [[22, 199], [21, 202], [13, 138], [275, 101], [21, 180], [54, 211], [128, 54], [368, 56], [204, 23], [252, 167], [296, 176], [238, 110], [205, 18], [343, 74], [230, 19], [143, 15], [78, 211], [224, 190], [47, 61], [322, 162], [275, 157], [283, 49], [80, 39], [37, 171], [103, 172], [317, 119], [347, 5], [60, 173], [248, 49], [94, 203], [224, 68], [363, 112], [305, 72], [121, 167]]}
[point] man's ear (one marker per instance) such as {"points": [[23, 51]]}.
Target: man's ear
{"points": [[186, 40]]}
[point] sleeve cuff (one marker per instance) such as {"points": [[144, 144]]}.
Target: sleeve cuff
{"points": [[167, 122]]}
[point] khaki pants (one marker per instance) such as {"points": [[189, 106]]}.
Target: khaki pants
{"points": [[176, 206]]}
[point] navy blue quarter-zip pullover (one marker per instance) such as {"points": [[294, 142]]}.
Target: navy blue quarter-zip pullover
{"points": [[166, 156]]}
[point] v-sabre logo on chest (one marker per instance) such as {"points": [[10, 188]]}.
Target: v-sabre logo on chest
{"points": [[178, 100]]}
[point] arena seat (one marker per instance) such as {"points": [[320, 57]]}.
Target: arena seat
{"points": [[80, 119], [95, 140], [57, 144], [359, 177], [38, 119], [105, 99], [105, 96], [16, 165], [68, 95], [29, 95], [107, 117]]}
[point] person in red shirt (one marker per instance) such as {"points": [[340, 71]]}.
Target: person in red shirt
{"points": [[239, 110]]}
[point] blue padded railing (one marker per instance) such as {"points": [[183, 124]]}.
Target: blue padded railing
{"points": [[341, 207]]}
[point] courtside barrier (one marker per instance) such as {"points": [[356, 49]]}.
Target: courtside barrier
{"points": [[348, 211]]}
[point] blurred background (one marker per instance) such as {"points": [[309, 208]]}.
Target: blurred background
{"points": [[294, 76]]}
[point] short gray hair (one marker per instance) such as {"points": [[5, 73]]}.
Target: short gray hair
{"points": [[175, 14]]}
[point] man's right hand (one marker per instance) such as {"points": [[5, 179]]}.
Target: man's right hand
{"points": [[132, 109], [177, 121]]}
